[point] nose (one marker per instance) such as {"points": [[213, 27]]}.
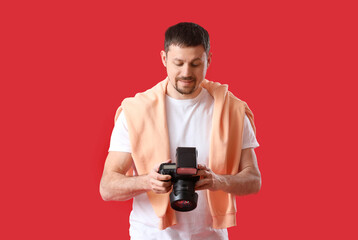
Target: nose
{"points": [[186, 71]]}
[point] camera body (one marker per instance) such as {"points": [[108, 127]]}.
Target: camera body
{"points": [[183, 196]]}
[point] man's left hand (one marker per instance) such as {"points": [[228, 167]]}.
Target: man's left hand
{"points": [[208, 179]]}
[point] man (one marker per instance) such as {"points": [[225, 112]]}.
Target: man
{"points": [[184, 110]]}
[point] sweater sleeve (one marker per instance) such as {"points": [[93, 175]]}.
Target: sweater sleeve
{"points": [[120, 136], [248, 136]]}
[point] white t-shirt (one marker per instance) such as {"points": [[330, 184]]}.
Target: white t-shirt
{"points": [[189, 125]]}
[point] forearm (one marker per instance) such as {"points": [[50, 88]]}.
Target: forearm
{"points": [[248, 181], [118, 187]]}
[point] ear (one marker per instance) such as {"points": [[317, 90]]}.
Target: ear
{"points": [[209, 58], [163, 56]]}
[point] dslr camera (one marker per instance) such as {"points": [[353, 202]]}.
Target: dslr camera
{"points": [[183, 196]]}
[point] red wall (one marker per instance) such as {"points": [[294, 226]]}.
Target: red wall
{"points": [[66, 67]]}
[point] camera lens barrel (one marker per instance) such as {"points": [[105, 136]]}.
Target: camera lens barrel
{"points": [[183, 198]]}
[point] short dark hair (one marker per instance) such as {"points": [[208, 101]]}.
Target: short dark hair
{"points": [[187, 34]]}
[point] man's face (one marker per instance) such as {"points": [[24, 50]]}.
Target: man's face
{"points": [[186, 68]]}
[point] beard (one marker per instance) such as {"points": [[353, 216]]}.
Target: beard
{"points": [[185, 90]]}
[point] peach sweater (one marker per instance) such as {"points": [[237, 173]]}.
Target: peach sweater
{"points": [[149, 138]]}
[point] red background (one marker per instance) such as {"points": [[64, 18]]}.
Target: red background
{"points": [[67, 65]]}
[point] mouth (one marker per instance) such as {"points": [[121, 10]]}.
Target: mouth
{"points": [[186, 82]]}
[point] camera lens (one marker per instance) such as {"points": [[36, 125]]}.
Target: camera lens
{"points": [[183, 197], [183, 204]]}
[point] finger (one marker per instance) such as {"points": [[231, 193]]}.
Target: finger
{"points": [[201, 185], [158, 190], [160, 177], [161, 190], [201, 188], [202, 173], [167, 184], [167, 189], [157, 186], [162, 184], [163, 177], [203, 167]]}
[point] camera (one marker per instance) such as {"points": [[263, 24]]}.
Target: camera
{"points": [[183, 196]]}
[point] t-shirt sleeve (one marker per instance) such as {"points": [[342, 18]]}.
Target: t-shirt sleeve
{"points": [[248, 136], [120, 136]]}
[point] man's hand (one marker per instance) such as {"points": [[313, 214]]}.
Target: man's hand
{"points": [[208, 179], [159, 183], [116, 186], [246, 181]]}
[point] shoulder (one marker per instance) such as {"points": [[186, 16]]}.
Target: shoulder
{"points": [[237, 102], [221, 94], [148, 97]]}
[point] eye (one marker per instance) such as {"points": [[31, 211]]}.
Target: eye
{"points": [[195, 64], [179, 64]]}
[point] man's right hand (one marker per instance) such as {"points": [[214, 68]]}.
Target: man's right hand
{"points": [[116, 186], [159, 183]]}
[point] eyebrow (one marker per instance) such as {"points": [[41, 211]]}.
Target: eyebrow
{"points": [[177, 59]]}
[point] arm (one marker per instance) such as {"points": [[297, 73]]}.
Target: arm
{"points": [[246, 181], [116, 186]]}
